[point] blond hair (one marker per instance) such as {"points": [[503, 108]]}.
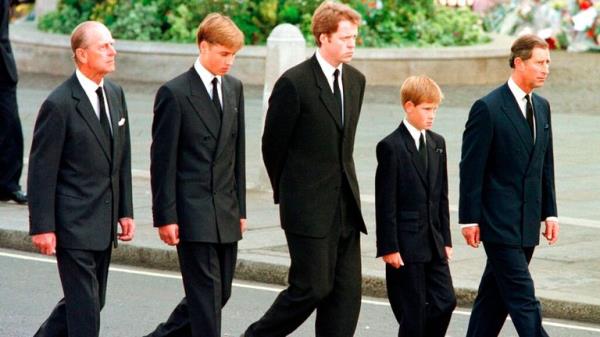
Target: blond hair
{"points": [[217, 28]]}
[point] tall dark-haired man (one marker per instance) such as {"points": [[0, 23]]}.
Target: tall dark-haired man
{"points": [[507, 189]]}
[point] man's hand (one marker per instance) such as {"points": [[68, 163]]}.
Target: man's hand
{"points": [[393, 259], [45, 242], [471, 235], [127, 229], [243, 225], [169, 234], [551, 232], [449, 252]]}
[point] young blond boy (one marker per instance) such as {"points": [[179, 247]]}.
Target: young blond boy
{"points": [[413, 228]]}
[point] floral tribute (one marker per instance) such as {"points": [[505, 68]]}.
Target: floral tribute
{"points": [[567, 24]]}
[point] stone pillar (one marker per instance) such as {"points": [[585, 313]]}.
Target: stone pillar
{"points": [[286, 47], [44, 6]]}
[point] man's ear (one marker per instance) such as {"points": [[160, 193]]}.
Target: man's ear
{"points": [[408, 106], [519, 63], [323, 38], [80, 55], [203, 46]]}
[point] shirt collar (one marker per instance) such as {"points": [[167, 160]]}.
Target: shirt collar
{"points": [[204, 74], [516, 90], [414, 132], [88, 85], [327, 68]]}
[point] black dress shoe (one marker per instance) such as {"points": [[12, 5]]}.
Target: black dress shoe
{"points": [[17, 196]]}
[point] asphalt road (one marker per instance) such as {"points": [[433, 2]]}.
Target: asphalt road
{"points": [[138, 299]]}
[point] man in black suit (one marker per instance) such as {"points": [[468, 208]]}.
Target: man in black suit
{"points": [[79, 182], [307, 148], [507, 189], [198, 177], [413, 227], [11, 133]]}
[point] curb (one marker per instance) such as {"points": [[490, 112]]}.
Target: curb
{"points": [[248, 270]]}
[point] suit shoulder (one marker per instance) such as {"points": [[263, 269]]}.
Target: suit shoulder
{"points": [[391, 138], [541, 98], [494, 95], [300, 70], [354, 72], [234, 81], [112, 85], [177, 83], [436, 136], [60, 94]]}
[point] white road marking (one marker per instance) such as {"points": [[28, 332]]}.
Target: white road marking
{"points": [[274, 289]]}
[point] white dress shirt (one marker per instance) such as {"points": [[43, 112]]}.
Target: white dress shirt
{"points": [[90, 87], [207, 77], [521, 101], [328, 70], [415, 133]]}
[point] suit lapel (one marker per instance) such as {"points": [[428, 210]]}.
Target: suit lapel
{"points": [[540, 126], [115, 116], [84, 107], [409, 142], [433, 160], [202, 104], [326, 94], [514, 114], [229, 114]]}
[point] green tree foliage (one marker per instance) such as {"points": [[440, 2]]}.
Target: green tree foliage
{"points": [[386, 23]]}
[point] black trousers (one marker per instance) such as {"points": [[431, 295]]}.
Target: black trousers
{"points": [[422, 297], [11, 140], [207, 270], [83, 275], [325, 274], [506, 288]]}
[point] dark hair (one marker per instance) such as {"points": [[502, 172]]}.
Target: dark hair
{"points": [[523, 47]]}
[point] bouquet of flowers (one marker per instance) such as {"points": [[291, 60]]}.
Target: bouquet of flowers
{"points": [[570, 24]]}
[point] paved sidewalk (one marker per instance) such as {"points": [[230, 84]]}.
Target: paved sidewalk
{"points": [[567, 275]]}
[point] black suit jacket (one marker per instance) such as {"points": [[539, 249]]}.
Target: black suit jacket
{"points": [[8, 68], [197, 163], [411, 203], [507, 181], [306, 149], [77, 188]]}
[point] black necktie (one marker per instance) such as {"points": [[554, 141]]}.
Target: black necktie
{"points": [[529, 115], [104, 121], [338, 94], [423, 150], [215, 96]]}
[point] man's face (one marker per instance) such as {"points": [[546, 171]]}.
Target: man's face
{"points": [[535, 70], [216, 58], [98, 54], [338, 47], [421, 116]]}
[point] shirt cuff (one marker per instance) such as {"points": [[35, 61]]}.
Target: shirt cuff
{"points": [[468, 225], [552, 218]]}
